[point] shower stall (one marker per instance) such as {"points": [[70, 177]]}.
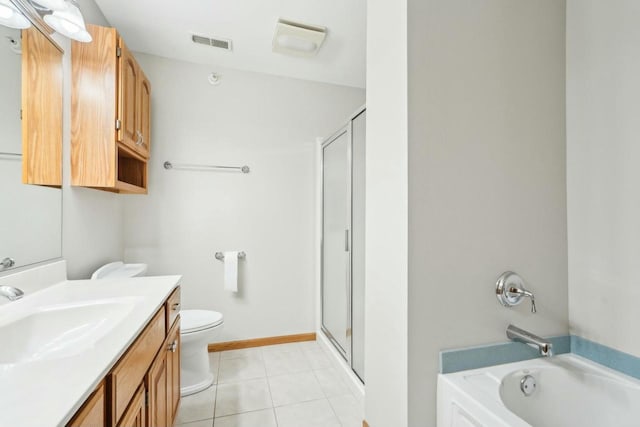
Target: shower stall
{"points": [[343, 240]]}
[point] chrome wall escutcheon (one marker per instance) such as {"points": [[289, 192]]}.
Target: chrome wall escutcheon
{"points": [[7, 263], [510, 290]]}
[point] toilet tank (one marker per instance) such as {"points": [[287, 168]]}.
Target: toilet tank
{"points": [[119, 269]]}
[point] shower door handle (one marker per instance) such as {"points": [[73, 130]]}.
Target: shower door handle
{"points": [[346, 240]]}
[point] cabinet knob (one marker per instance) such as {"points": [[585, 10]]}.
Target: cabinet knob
{"points": [[175, 306], [173, 346]]}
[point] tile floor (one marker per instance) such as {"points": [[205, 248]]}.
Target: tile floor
{"points": [[287, 385]]}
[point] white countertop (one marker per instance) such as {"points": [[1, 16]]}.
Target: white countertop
{"points": [[48, 392]]}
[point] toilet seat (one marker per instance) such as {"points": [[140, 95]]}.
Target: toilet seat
{"points": [[199, 320]]}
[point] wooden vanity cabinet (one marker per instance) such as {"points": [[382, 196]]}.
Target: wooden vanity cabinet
{"points": [[92, 413], [163, 381], [110, 115], [157, 384], [173, 372], [143, 388], [130, 371], [136, 414]]}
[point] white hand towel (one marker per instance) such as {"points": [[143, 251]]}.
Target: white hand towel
{"points": [[231, 271]]}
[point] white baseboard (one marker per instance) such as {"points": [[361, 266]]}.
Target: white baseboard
{"points": [[351, 379]]}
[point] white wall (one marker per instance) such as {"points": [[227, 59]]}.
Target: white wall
{"points": [[270, 124], [486, 176], [603, 176], [92, 225], [386, 215]]}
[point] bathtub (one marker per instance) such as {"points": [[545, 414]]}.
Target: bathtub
{"points": [[565, 391]]}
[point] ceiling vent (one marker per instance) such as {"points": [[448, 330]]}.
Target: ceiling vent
{"points": [[294, 38], [219, 43]]}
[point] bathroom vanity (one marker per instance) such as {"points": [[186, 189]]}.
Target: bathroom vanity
{"points": [[143, 389], [113, 344]]}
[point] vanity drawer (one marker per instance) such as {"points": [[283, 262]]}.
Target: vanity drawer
{"points": [[173, 307], [128, 374]]}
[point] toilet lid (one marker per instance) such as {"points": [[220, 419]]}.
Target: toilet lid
{"points": [[198, 320]]}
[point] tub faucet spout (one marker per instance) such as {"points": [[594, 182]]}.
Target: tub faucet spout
{"points": [[520, 335]]}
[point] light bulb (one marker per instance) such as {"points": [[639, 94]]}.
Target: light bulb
{"points": [[11, 17], [70, 23]]}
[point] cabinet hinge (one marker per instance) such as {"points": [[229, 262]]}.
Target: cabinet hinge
{"points": [[146, 398], [118, 124], [118, 52], [21, 114]]}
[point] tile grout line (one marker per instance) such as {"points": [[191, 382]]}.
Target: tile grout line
{"points": [[273, 408], [215, 399], [326, 397]]}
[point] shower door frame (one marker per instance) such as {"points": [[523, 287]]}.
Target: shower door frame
{"points": [[346, 352]]}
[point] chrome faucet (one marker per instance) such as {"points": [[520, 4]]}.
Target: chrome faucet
{"points": [[11, 293], [520, 335]]}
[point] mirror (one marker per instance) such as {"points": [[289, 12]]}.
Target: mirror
{"points": [[30, 215]]}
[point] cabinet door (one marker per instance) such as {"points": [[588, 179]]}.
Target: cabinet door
{"points": [[135, 415], [157, 386], [143, 135], [92, 413], [173, 371], [41, 110], [127, 95]]}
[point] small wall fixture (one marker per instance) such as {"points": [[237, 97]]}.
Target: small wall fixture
{"points": [[293, 38], [214, 78]]}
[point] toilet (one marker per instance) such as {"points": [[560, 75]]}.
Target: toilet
{"points": [[197, 329]]}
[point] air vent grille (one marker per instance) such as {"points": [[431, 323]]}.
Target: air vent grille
{"points": [[219, 43]]}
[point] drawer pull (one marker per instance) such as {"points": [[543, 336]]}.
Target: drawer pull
{"points": [[173, 346], [175, 306]]}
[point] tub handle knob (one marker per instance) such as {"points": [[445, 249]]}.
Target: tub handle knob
{"points": [[510, 290]]}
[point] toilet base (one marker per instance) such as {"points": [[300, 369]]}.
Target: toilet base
{"points": [[195, 369], [198, 387]]}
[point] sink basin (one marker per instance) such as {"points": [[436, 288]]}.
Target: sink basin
{"points": [[60, 331]]}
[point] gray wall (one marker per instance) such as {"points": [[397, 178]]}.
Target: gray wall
{"points": [[486, 176], [269, 123], [386, 215], [603, 176]]}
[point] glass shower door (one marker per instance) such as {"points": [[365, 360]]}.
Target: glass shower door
{"points": [[336, 224]]}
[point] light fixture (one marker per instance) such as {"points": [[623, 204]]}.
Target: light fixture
{"points": [[11, 17], [298, 39], [50, 4], [69, 22]]}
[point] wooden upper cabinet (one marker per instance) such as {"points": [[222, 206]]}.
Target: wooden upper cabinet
{"points": [[143, 139], [41, 110], [110, 122], [127, 94]]}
